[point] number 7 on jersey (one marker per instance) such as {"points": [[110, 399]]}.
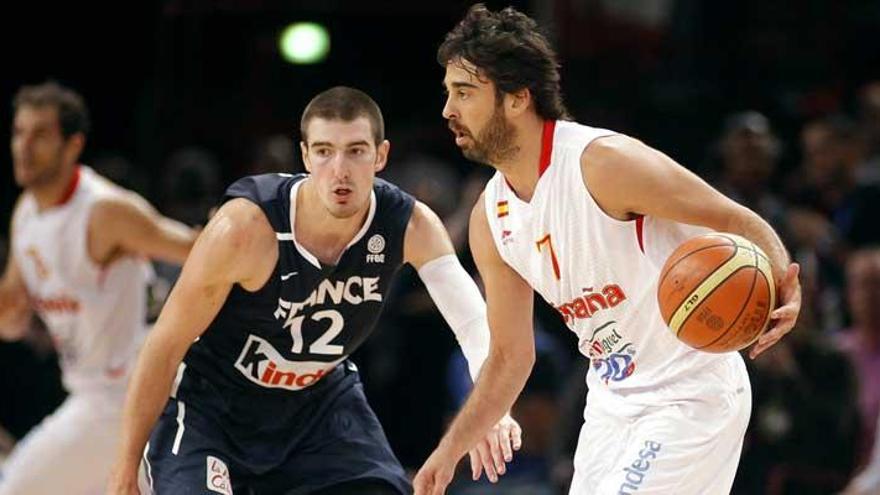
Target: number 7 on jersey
{"points": [[546, 240]]}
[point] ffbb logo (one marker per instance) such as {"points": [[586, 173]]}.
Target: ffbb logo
{"points": [[375, 246]]}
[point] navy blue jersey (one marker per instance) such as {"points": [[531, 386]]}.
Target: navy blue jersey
{"points": [[307, 318]]}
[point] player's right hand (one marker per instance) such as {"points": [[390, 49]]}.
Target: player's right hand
{"points": [[435, 474], [14, 306], [123, 482], [11, 300]]}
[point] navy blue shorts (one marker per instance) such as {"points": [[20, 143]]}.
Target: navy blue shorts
{"points": [[209, 442]]}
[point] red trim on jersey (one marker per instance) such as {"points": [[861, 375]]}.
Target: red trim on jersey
{"points": [[640, 220], [546, 146], [71, 188]]}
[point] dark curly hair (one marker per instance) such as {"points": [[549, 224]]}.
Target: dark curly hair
{"points": [[507, 47]]}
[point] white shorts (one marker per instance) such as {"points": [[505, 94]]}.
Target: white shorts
{"points": [[71, 451], [688, 443]]}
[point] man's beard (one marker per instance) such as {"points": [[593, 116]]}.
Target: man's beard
{"points": [[495, 143], [42, 177]]}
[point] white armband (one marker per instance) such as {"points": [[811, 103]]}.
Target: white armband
{"points": [[459, 300]]}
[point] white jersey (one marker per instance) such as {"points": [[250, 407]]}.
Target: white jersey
{"points": [[95, 315], [600, 273]]}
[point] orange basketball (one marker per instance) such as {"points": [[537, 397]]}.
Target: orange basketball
{"points": [[716, 292]]}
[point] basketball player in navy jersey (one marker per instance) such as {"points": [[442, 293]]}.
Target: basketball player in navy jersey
{"points": [[284, 283]]}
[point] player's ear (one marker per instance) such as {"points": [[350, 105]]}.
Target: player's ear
{"points": [[73, 147], [382, 155], [517, 102], [304, 149]]}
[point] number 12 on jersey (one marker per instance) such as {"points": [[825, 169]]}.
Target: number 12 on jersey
{"points": [[546, 240]]}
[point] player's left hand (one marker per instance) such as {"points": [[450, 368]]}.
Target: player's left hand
{"points": [[496, 449], [785, 315]]}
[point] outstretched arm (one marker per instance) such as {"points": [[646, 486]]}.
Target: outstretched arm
{"points": [[428, 248], [503, 375], [127, 223], [235, 247], [627, 177]]}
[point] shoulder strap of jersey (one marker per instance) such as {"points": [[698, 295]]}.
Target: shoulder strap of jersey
{"points": [[271, 192]]}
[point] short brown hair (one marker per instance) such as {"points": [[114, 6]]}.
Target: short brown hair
{"points": [[346, 104], [510, 50], [73, 115]]}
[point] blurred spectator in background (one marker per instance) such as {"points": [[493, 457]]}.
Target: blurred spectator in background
{"points": [[828, 181], [120, 170], [571, 418], [861, 342], [869, 114], [804, 424], [191, 185], [457, 221], [867, 482], [275, 153], [431, 180], [749, 155], [537, 411]]}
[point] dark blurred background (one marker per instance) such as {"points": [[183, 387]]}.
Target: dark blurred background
{"points": [[776, 103]]}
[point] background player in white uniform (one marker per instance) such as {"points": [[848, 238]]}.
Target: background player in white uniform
{"points": [[586, 218], [77, 260]]}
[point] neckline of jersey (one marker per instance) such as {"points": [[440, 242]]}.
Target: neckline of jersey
{"points": [[547, 135], [311, 258]]}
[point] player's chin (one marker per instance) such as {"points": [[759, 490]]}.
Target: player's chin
{"points": [[344, 210]]}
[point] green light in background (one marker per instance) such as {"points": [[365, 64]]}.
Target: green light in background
{"points": [[304, 43]]}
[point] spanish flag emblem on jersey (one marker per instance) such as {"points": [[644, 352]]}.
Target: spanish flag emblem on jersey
{"points": [[502, 209]]}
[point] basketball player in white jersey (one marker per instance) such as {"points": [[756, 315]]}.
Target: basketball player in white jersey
{"points": [[586, 217], [78, 259]]}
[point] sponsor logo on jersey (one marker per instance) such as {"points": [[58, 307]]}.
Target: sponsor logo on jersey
{"points": [[40, 266], [263, 365], [636, 472], [591, 302], [375, 246], [611, 354], [61, 304], [217, 476], [506, 237], [354, 290]]}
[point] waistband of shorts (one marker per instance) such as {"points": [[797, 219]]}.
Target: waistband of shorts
{"points": [[194, 379], [632, 402]]}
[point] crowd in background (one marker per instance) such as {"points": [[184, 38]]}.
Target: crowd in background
{"points": [[809, 164], [816, 394]]}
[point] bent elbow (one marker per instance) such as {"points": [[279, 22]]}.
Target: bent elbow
{"points": [[519, 358], [528, 361]]}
